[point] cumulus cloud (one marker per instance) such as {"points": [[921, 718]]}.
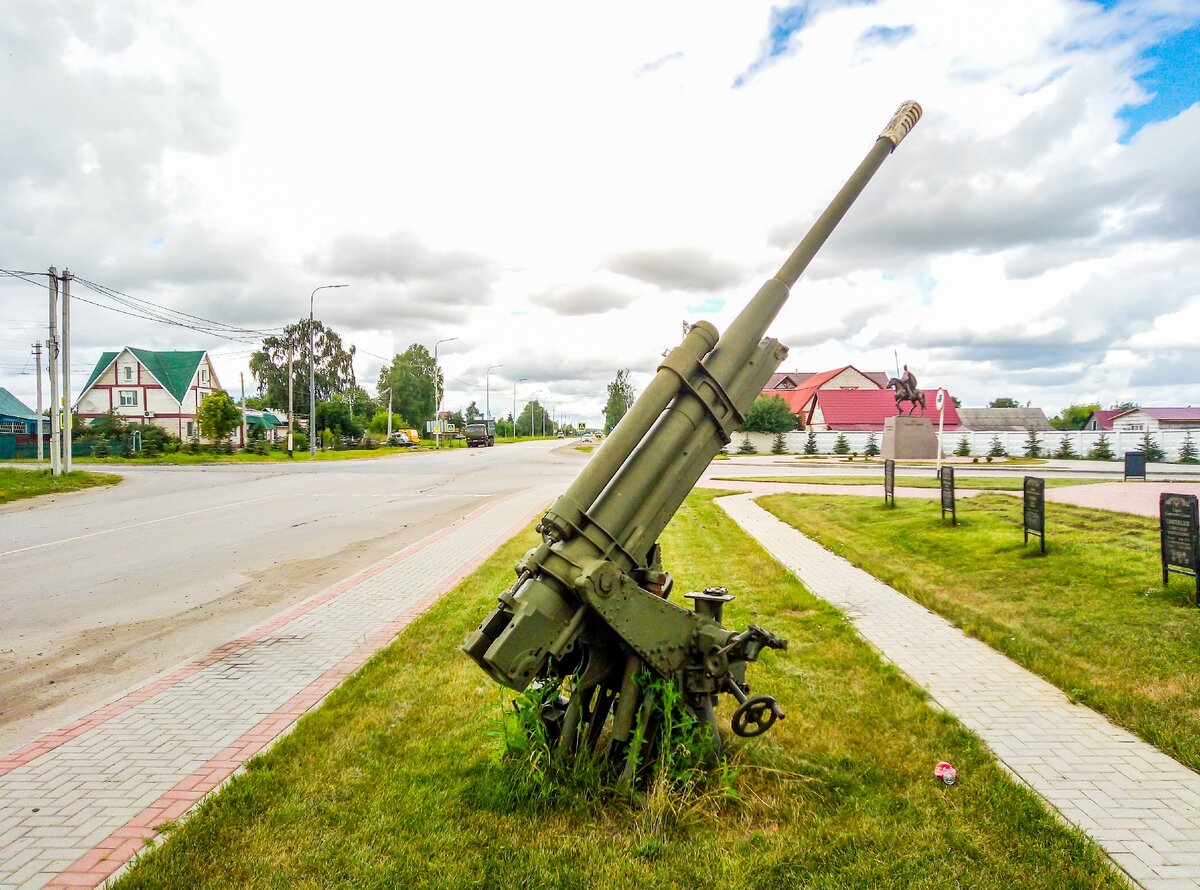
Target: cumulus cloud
{"points": [[587, 299], [681, 268]]}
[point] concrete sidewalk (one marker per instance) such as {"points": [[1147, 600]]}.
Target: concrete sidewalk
{"points": [[1141, 806], [76, 804]]}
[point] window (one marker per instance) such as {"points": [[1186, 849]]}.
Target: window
{"points": [[128, 372], [11, 426], [1136, 427], [204, 376], [128, 397]]}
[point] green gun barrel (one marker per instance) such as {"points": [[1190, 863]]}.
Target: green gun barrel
{"points": [[611, 516]]}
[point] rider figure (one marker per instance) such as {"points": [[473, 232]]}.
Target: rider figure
{"points": [[908, 383]]}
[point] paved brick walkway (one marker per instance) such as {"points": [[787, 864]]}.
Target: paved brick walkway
{"points": [[1141, 806], [77, 804]]}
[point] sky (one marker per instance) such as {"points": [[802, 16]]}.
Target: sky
{"points": [[558, 187]]}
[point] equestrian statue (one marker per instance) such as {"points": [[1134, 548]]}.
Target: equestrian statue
{"points": [[906, 391]]}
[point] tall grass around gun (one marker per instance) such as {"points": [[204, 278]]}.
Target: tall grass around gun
{"points": [[396, 782]]}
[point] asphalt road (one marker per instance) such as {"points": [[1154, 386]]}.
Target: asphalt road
{"points": [[104, 589]]}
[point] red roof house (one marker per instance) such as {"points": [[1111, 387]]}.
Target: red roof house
{"points": [[798, 390], [866, 409]]}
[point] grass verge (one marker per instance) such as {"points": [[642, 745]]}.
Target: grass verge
{"points": [[1091, 616], [16, 484], [978, 483], [394, 782]]}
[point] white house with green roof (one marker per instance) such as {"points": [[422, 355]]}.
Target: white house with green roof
{"points": [[144, 386]]}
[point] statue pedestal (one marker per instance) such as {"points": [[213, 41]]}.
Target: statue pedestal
{"points": [[909, 438]]}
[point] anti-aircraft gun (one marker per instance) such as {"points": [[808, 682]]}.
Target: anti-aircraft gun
{"points": [[590, 611]]}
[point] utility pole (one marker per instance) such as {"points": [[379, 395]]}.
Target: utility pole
{"points": [[66, 368], [291, 423], [37, 359], [242, 378], [52, 345]]}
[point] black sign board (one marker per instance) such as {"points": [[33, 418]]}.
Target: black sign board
{"points": [[948, 494], [1179, 531], [1135, 465], [889, 481], [1035, 509]]}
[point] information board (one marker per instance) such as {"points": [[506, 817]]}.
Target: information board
{"points": [[948, 494], [889, 482], [1135, 465], [1035, 509], [1179, 532]]}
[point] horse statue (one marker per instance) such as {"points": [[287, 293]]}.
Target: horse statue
{"points": [[906, 391]]}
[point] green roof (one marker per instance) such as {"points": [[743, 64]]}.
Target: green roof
{"points": [[267, 421], [11, 406], [174, 370]]}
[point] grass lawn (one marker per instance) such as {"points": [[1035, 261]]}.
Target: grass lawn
{"points": [[1091, 616], [394, 782], [16, 484], [979, 483]]}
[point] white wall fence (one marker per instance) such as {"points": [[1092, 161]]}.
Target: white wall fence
{"points": [[1013, 441]]}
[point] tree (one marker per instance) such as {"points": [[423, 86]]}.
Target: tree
{"points": [[997, 448], [1151, 449], [1102, 450], [1033, 445], [964, 447], [530, 420], [334, 370], [810, 444], [218, 416], [363, 406], [1187, 451], [337, 416], [779, 443], [1073, 417], [620, 398], [747, 447], [957, 401], [1066, 451], [872, 447], [769, 414], [841, 445], [412, 375], [1124, 406], [1004, 402], [472, 413]]}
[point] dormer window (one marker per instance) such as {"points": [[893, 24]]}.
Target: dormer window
{"points": [[127, 373], [204, 376]]}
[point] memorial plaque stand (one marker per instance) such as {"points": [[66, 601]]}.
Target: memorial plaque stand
{"points": [[948, 495], [1035, 509], [889, 482], [1179, 532], [1135, 465]]}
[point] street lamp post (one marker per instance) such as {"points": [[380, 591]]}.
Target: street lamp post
{"points": [[312, 373], [514, 414], [487, 392], [437, 396], [388, 440]]}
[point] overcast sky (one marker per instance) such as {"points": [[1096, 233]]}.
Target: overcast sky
{"points": [[559, 186]]}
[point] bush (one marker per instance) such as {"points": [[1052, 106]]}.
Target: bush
{"points": [[996, 449], [100, 450], [299, 441], [1151, 449], [964, 447]]}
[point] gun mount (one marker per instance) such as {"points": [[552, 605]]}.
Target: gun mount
{"points": [[591, 602]]}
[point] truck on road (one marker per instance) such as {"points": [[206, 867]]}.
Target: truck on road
{"points": [[481, 432]]}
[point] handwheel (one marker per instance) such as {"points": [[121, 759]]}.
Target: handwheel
{"points": [[756, 716]]}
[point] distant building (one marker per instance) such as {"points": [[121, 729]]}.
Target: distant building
{"points": [[1155, 420], [143, 386], [798, 389], [1101, 420], [16, 417], [848, 410], [987, 420]]}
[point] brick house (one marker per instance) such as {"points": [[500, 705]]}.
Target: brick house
{"points": [[143, 386]]}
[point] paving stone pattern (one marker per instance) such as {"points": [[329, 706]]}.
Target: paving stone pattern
{"points": [[1137, 803], [77, 804]]}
